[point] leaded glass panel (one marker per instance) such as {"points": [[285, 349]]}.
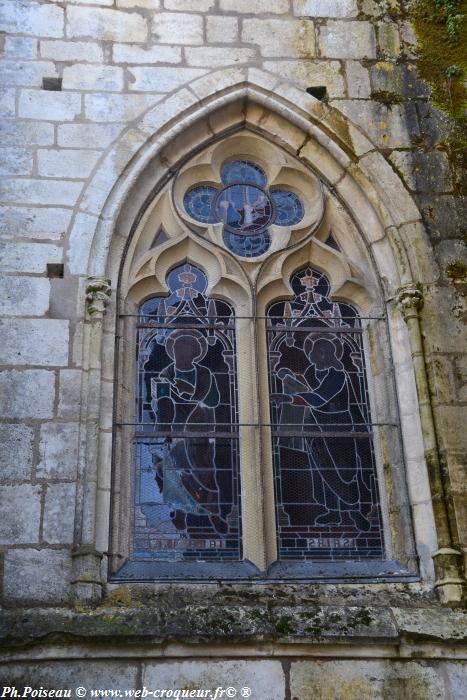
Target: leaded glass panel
{"points": [[244, 206], [289, 209], [187, 494], [243, 171], [327, 499]]}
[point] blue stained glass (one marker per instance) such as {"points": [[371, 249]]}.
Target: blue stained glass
{"points": [[327, 499], [247, 246], [243, 171], [244, 209], [289, 209], [245, 206], [199, 203], [187, 482]]}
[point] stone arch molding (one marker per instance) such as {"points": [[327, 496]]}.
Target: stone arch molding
{"points": [[146, 157], [323, 139]]}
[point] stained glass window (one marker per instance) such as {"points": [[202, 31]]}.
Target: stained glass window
{"points": [[198, 203], [289, 209], [186, 492], [327, 502], [245, 207]]}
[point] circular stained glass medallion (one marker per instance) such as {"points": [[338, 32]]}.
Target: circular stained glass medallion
{"points": [[243, 171], [198, 202], [244, 209], [247, 246], [289, 209]]}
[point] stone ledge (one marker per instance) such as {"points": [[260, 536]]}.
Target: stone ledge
{"points": [[346, 625]]}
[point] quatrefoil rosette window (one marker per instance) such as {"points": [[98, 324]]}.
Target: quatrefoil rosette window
{"points": [[249, 207]]}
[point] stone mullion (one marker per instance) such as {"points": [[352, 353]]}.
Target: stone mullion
{"points": [[250, 445]]}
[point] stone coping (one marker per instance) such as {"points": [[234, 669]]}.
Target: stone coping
{"points": [[234, 623]]}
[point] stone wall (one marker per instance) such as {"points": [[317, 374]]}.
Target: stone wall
{"points": [[77, 77]]}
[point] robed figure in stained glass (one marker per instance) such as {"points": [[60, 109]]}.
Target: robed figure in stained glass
{"points": [[324, 464], [187, 501], [184, 397]]}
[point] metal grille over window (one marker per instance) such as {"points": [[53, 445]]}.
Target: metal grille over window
{"points": [[186, 490], [327, 499]]}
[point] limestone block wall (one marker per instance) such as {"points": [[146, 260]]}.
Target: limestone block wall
{"points": [[77, 75]]}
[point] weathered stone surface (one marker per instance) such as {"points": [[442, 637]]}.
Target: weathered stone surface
{"points": [[365, 680], [58, 451], [81, 236], [188, 5], [71, 51], [310, 73], [265, 678], [325, 8], [255, 6], [27, 394], [106, 25], [25, 73], [16, 452], [26, 133], [90, 674], [87, 135], [424, 172], [49, 105], [20, 514], [221, 29], [71, 163], [41, 342], [44, 574], [69, 394], [29, 191], [102, 78], [116, 108], [387, 127], [24, 296], [21, 46], [280, 37], [15, 161], [180, 28], [144, 4], [358, 80], [389, 39], [7, 103], [59, 512], [162, 79], [126, 53], [40, 223], [218, 56], [26, 17], [347, 40]]}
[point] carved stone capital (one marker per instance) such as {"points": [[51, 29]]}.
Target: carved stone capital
{"points": [[98, 293], [409, 300]]}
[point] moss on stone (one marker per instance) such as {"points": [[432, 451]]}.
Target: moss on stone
{"points": [[441, 28], [387, 98], [456, 272]]}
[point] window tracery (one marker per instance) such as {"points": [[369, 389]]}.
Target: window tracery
{"points": [[244, 206], [292, 348]]}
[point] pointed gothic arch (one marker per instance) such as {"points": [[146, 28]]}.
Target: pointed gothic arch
{"points": [[325, 142]]}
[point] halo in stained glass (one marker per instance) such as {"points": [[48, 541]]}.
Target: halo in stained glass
{"points": [[198, 202], [244, 209], [289, 209], [243, 171], [247, 246]]}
